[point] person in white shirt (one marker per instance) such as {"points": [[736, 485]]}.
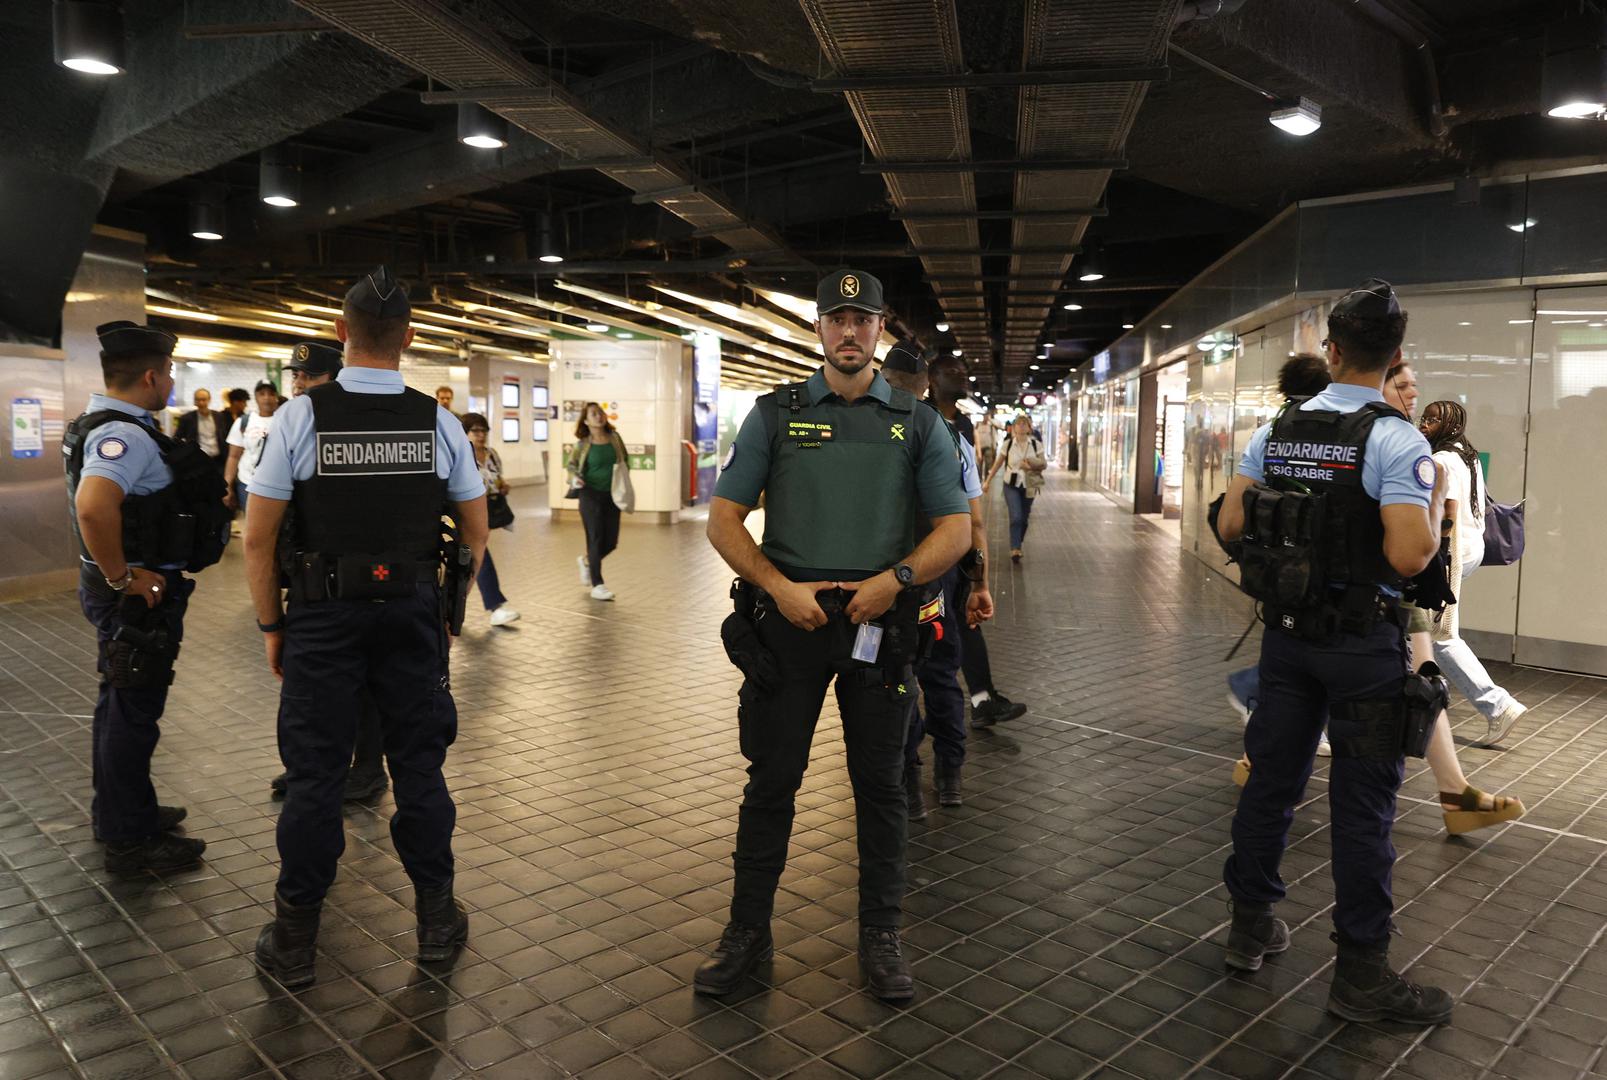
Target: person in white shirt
{"points": [[246, 440], [1444, 424]]}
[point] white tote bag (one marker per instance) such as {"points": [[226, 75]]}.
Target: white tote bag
{"points": [[624, 495]]}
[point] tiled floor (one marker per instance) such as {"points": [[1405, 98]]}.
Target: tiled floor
{"points": [[1064, 923]]}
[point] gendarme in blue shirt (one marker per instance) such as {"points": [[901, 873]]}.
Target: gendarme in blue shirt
{"points": [[122, 453], [290, 455], [1392, 469]]}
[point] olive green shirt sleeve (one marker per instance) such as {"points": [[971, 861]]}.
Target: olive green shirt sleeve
{"points": [[747, 466], [938, 483]]}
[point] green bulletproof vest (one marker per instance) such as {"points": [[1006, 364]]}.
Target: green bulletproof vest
{"points": [[841, 490]]}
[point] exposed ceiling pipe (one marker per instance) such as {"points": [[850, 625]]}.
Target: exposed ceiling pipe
{"points": [[1422, 41]]}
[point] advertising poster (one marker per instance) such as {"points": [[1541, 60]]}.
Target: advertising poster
{"points": [[27, 427]]}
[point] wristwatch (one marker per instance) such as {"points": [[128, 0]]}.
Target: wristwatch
{"points": [[977, 570], [121, 584], [273, 627], [905, 575]]}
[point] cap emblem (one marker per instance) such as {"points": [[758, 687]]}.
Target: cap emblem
{"points": [[849, 286], [302, 352]]}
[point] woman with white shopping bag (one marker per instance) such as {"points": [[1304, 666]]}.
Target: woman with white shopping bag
{"points": [[599, 476]]}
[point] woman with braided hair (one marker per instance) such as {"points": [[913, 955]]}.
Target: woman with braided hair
{"points": [[1444, 424]]}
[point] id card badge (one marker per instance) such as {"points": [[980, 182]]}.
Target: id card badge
{"points": [[868, 643]]}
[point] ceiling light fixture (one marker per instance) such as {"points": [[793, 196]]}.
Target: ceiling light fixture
{"points": [[1127, 326], [1297, 116], [546, 247], [1166, 326], [942, 327], [1523, 226], [956, 352], [1091, 270], [1573, 75], [481, 128], [278, 180], [88, 36], [1072, 307], [206, 213], [597, 327]]}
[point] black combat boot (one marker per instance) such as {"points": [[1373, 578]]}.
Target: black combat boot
{"points": [[286, 948], [362, 787], [442, 923], [948, 785], [1365, 989], [167, 819], [742, 948], [158, 854], [881, 959], [1254, 934], [277, 786], [912, 793]]}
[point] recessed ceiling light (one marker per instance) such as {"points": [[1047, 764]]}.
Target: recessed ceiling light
{"points": [[597, 327], [1166, 326], [1072, 307], [956, 352], [942, 327], [1464, 323], [1032, 367], [1127, 326]]}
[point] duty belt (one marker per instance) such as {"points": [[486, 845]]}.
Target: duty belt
{"points": [[1348, 617], [831, 601]]}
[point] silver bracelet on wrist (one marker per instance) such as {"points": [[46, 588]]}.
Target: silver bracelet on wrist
{"points": [[121, 584]]}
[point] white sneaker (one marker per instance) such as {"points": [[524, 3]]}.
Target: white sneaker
{"points": [[1323, 748], [504, 615], [1501, 726], [585, 571], [601, 592]]}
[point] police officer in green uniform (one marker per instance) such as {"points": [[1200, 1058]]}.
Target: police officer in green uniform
{"points": [[847, 466]]}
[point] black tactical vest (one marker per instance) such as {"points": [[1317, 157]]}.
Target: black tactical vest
{"points": [[1311, 526], [374, 489], [184, 524], [841, 492]]}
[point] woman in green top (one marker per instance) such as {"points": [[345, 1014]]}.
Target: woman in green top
{"points": [[598, 448]]}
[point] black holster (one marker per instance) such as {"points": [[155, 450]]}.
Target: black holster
{"points": [[141, 652], [455, 589], [739, 633], [1395, 727]]}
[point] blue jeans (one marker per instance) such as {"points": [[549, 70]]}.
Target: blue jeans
{"points": [[490, 588], [1019, 504]]}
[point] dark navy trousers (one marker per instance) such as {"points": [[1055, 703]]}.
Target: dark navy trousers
{"points": [[939, 676], [1300, 680], [336, 653], [125, 729]]}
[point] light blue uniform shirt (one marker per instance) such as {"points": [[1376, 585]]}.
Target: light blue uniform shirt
{"points": [[1396, 465], [121, 453], [968, 476], [289, 453]]}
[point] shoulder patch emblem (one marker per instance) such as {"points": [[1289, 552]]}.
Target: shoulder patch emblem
{"points": [[112, 449], [1423, 470], [730, 456], [897, 432]]}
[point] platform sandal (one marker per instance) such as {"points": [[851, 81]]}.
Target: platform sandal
{"points": [[1241, 771], [1467, 816]]}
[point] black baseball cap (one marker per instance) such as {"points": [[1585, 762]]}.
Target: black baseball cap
{"points": [[380, 294], [848, 288], [124, 338], [316, 358], [1372, 299], [905, 356], [264, 384]]}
